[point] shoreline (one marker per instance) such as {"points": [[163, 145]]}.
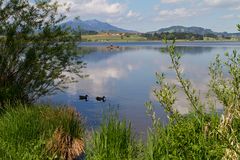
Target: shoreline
{"points": [[116, 44], [185, 41]]}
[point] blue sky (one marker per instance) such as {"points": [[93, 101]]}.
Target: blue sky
{"points": [[149, 15]]}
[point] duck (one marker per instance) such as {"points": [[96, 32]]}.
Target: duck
{"points": [[101, 98], [83, 97], [110, 47]]}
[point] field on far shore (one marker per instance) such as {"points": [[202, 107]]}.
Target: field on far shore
{"points": [[105, 37], [118, 37]]}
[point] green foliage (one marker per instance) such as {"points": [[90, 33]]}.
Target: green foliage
{"points": [[227, 89], [200, 134], [114, 141], [26, 130], [34, 50], [185, 139], [174, 35]]}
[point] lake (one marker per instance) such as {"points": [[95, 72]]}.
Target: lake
{"points": [[126, 76]]}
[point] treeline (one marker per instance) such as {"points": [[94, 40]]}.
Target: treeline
{"points": [[84, 32], [177, 35]]}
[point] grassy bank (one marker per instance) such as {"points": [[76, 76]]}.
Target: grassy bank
{"points": [[40, 132], [43, 132]]}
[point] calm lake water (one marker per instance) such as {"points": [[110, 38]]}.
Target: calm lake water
{"points": [[126, 76]]}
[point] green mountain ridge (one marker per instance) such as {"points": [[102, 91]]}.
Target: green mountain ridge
{"points": [[194, 30]]}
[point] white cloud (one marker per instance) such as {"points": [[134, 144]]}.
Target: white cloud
{"points": [[236, 8], [133, 14], [93, 7], [172, 1], [125, 17], [115, 13], [221, 3], [229, 16], [164, 15]]}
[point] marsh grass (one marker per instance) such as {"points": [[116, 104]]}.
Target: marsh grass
{"points": [[114, 141], [26, 131]]}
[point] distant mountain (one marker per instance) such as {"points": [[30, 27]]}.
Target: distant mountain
{"points": [[182, 29], [95, 25], [194, 30]]}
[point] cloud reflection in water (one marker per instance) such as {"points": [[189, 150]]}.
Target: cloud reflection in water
{"points": [[127, 77]]}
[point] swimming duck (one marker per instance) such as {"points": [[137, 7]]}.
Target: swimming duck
{"points": [[83, 97], [101, 98]]}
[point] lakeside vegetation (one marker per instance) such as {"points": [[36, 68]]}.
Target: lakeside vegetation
{"points": [[32, 65], [138, 37]]}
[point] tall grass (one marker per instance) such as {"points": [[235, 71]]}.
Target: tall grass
{"points": [[26, 131], [185, 139], [114, 141]]}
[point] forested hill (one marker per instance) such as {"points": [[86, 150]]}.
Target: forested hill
{"points": [[193, 30]]}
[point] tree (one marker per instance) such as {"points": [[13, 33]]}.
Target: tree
{"points": [[35, 52]]}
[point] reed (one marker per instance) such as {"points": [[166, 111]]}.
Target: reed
{"points": [[114, 141]]}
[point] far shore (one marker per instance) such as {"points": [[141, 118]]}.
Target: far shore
{"points": [[104, 37], [137, 40], [132, 41]]}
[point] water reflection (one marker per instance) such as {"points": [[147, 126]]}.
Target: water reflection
{"points": [[126, 76]]}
